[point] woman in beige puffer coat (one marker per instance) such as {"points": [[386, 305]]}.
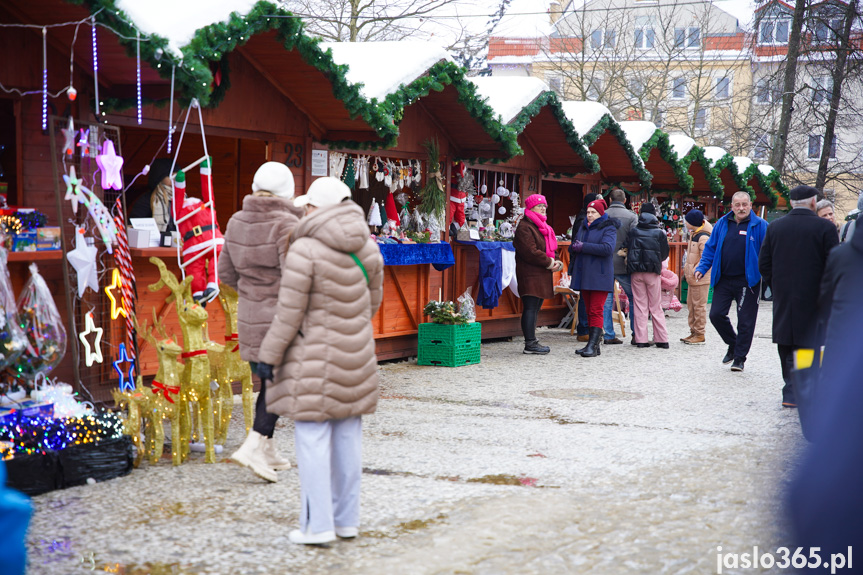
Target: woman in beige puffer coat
{"points": [[322, 346], [256, 242]]}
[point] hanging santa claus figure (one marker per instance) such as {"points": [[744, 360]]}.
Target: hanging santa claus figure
{"points": [[201, 237], [457, 196]]}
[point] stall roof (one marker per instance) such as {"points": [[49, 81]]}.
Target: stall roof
{"points": [[535, 114], [659, 157], [196, 39], [618, 160], [431, 80], [765, 191], [726, 169], [775, 179]]}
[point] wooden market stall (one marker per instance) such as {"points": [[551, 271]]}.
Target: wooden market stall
{"points": [[706, 187]]}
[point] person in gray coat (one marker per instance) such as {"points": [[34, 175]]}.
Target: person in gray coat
{"points": [[628, 220]]}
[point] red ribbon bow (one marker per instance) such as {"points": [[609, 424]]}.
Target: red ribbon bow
{"points": [[165, 389]]}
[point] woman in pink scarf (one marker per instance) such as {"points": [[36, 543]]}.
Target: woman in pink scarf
{"points": [[535, 247]]}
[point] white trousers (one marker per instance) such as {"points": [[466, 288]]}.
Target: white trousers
{"points": [[329, 461]]}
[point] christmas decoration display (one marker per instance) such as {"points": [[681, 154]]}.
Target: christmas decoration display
{"points": [[116, 282], [201, 237], [78, 194], [31, 219], [375, 214], [432, 197], [12, 338], [41, 434], [444, 312], [94, 353], [111, 165], [40, 320], [457, 195], [195, 382], [61, 397], [236, 368], [83, 260], [669, 213]]}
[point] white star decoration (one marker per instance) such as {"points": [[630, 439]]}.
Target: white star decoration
{"points": [[73, 188], [110, 164], [69, 138], [83, 259], [96, 354]]}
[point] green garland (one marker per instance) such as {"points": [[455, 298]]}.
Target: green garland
{"points": [[520, 122], [696, 154], [763, 182], [726, 162], [610, 124], [659, 140]]}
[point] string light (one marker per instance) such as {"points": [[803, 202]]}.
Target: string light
{"points": [[126, 384], [171, 110], [40, 434], [44, 79], [138, 61], [96, 353], [116, 310], [95, 62]]}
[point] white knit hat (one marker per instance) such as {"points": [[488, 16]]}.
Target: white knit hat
{"points": [[275, 178], [324, 192]]}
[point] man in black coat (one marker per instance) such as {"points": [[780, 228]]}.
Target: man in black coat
{"points": [[792, 261]]}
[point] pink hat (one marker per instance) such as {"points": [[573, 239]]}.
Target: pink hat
{"points": [[598, 205], [533, 200]]}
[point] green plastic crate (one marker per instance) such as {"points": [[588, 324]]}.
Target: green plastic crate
{"points": [[450, 335], [448, 355]]}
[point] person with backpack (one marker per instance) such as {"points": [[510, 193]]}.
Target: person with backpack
{"points": [[696, 298]]}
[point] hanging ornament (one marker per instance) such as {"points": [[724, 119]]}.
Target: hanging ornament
{"points": [[69, 134], [73, 188], [110, 164], [483, 189], [72, 93], [501, 210], [501, 189], [83, 259], [94, 354], [375, 215], [349, 176], [126, 383], [84, 141], [116, 282], [495, 199]]}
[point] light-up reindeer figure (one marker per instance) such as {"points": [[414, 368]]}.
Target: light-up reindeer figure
{"points": [[237, 369], [136, 402], [166, 400], [195, 382]]}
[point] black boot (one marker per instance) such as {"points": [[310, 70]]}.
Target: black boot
{"points": [[592, 349], [534, 347]]}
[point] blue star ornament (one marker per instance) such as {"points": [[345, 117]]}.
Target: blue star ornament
{"points": [[126, 383]]}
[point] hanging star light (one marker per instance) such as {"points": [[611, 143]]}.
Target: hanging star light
{"points": [[126, 384], [69, 138], [73, 189], [110, 164], [101, 216], [83, 259], [116, 283], [96, 354], [84, 141]]}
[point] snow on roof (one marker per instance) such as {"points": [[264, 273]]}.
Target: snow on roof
{"points": [[714, 153], [524, 19], [681, 144], [743, 10], [511, 60], [508, 95], [638, 132], [742, 163], [766, 169], [382, 67], [184, 18], [584, 114]]}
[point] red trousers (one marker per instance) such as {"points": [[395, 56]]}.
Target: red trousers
{"points": [[594, 301]]}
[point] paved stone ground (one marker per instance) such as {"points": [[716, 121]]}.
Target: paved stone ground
{"points": [[639, 461]]}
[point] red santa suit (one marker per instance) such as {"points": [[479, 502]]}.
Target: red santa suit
{"points": [[457, 197], [200, 232]]}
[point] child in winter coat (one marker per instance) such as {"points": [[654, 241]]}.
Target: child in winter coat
{"points": [[669, 280]]}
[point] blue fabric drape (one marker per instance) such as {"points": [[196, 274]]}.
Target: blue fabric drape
{"points": [[490, 271], [15, 512], [438, 255]]}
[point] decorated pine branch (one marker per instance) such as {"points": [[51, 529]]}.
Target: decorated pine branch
{"points": [[432, 196]]}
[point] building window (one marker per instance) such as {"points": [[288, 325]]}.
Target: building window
{"points": [[555, 82], [678, 88], [822, 90], [773, 32], [826, 31], [636, 88], [594, 88], [701, 118], [603, 39], [815, 147], [723, 88], [762, 147], [764, 93], [687, 37], [644, 38]]}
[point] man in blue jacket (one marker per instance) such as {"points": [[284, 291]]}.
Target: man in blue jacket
{"points": [[732, 253]]}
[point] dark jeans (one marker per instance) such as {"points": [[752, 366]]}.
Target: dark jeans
{"points": [[786, 357], [265, 422], [735, 289], [530, 311], [581, 328]]}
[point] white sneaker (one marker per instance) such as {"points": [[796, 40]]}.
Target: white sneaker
{"points": [[297, 536], [347, 532], [275, 460], [251, 454]]}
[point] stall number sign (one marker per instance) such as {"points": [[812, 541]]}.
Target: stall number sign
{"points": [[319, 163]]}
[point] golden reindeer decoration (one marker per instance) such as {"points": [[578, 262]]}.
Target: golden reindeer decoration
{"points": [[195, 382], [236, 368]]}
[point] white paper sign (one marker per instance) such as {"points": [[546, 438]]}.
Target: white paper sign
{"points": [[149, 225], [319, 163]]}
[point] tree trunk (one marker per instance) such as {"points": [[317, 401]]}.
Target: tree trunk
{"points": [[354, 28], [777, 159], [838, 79]]}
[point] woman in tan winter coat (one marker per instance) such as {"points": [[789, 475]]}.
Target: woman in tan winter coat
{"points": [[696, 298], [256, 241], [320, 349]]}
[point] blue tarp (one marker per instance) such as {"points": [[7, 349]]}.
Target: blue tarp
{"points": [[438, 255]]}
